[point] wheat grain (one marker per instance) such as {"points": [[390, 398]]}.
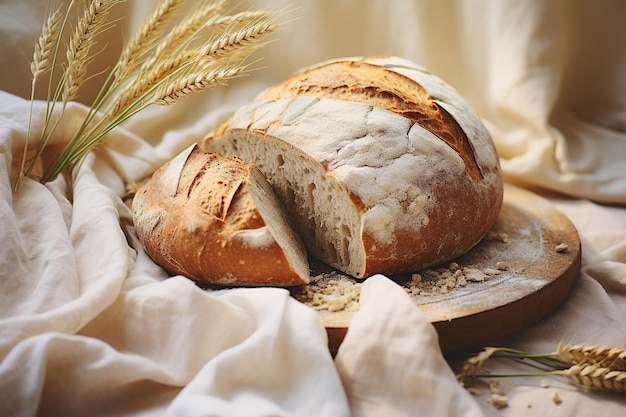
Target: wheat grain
{"points": [[595, 376], [612, 357], [92, 23]]}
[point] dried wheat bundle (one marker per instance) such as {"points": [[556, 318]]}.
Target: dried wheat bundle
{"points": [[169, 57], [587, 366]]}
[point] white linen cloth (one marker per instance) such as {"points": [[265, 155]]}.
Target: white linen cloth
{"points": [[90, 326]]}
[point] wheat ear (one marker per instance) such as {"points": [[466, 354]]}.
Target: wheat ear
{"points": [[196, 82], [182, 34], [144, 40], [613, 357], [45, 46], [231, 41], [230, 47], [92, 23], [594, 376]]}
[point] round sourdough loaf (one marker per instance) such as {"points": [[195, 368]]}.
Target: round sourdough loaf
{"points": [[216, 220], [382, 167]]}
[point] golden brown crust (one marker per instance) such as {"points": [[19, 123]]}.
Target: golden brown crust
{"points": [[196, 231], [463, 220]]}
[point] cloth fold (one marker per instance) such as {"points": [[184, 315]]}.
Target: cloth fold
{"points": [[400, 371], [89, 325]]}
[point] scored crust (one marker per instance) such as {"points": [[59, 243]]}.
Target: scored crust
{"points": [[216, 220], [366, 82], [382, 166]]}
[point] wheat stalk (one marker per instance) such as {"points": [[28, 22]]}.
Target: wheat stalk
{"points": [[42, 63], [587, 366]]}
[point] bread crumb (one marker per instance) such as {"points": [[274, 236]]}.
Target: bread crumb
{"points": [[495, 387], [556, 398], [499, 401], [497, 237], [562, 247], [474, 275], [331, 292], [529, 405], [502, 266], [474, 391], [545, 383], [416, 278]]}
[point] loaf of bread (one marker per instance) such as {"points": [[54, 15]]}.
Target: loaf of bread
{"points": [[216, 220], [381, 166]]}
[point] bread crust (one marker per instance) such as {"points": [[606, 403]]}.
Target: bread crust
{"points": [[197, 217], [411, 156]]}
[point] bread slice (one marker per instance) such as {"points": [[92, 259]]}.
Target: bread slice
{"points": [[382, 166], [216, 220]]}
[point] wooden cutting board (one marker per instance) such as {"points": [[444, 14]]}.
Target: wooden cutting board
{"points": [[517, 275]]}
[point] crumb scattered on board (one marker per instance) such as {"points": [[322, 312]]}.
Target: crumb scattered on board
{"points": [[336, 292], [331, 292], [561, 248]]}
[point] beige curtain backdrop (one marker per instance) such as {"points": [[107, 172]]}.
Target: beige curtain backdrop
{"points": [[548, 77], [89, 325]]}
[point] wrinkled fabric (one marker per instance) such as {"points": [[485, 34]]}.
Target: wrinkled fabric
{"points": [[89, 325]]}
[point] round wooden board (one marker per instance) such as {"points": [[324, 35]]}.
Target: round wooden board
{"points": [[538, 278]]}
